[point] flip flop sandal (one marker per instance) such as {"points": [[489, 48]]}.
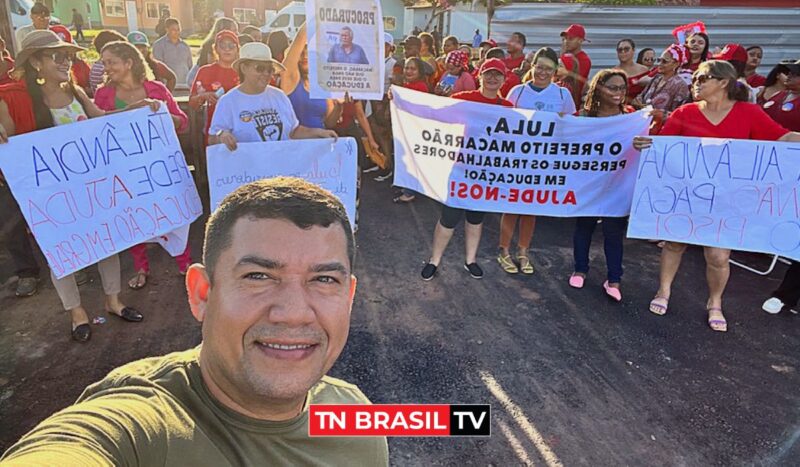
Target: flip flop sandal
{"points": [[576, 280], [657, 307], [612, 292], [525, 264], [716, 324], [507, 263], [139, 281]]}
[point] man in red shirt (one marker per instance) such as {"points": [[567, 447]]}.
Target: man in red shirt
{"points": [[516, 51], [572, 40]]}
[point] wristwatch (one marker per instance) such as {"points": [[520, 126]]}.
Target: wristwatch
{"points": [[219, 133]]}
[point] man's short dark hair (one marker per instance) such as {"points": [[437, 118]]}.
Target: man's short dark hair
{"points": [[521, 37], [302, 203], [105, 36], [496, 52], [39, 9], [171, 22]]}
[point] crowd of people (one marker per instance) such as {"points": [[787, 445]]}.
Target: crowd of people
{"points": [[692, 88]]}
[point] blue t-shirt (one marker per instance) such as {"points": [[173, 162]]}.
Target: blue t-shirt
{"points": [[356, 56], [310, 112]]}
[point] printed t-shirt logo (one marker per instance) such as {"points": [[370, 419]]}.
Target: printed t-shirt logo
{"points": [[246, 116], [269, 124]]}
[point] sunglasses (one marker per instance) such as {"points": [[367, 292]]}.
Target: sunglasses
{"points": [[60, 57], [664, 61], [616, 88], [262, 68], [703, 78], [227, 45], [624, 49]]}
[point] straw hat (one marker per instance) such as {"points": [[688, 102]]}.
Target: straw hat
{"points": [[41, 39], [256, 52]]}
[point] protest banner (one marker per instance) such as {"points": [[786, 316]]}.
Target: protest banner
{"points": [[91, 189], [490, 158], [736, 194], [345, 49], [332, 166]]}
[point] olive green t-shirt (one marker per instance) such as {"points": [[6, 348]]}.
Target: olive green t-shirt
{"points": [[158, 411]]}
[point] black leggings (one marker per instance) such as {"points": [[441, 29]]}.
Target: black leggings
{"points": [[451, 217]]}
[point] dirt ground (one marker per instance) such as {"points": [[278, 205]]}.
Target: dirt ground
{"points": [[572, 378]]}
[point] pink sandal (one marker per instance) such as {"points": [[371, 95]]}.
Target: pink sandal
{"points": [[576, 280], [612, 292]]}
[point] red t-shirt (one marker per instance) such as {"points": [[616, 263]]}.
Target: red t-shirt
{"points": [[744, 121], [81, 71], [584, 68], [755, 80], [5, 78], [786, 114], [421, 86], [210, 78], [476, 96], [511, 80], [512, 63]]}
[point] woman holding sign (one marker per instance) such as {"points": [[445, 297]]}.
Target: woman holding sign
{"points": [[43, 97], [493, 74], [126, 82], [605, 98], [720, 110], [541, 94]]}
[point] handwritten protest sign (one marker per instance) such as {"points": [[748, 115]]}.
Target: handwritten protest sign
{"points": [[345, 48], [491, 158], [742, 195], [332, 166], [91, 189]]}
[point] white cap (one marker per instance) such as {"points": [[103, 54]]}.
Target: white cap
{"points": [[388, 39]]}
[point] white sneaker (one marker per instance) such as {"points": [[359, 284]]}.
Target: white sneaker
{"points": [[772, 306]]}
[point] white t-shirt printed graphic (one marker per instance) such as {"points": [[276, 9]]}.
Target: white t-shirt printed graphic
{"points": [[553, 98], [268, 116]]}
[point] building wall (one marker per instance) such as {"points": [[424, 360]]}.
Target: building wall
{"points": [[394, 15], [62, 9], [147, 14], [260, 6]]}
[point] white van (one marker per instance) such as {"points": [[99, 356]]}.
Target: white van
{"points": [[289, 19]]}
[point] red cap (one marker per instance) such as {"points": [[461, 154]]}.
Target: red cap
{"points": [[575, 30], [493, 64], [490, 42], [226, 34], [62, 32], [732, 52]]}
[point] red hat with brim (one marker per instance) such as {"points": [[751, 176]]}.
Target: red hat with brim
{"points": [[489, 42], [732, 52], [575, 30], [493, 64], [227, 34]]}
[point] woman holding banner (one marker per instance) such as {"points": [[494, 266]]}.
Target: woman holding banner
{"points": [[43, 97], [541, 94], [719, 98], [605, 98], [126, 83], [493, 74]]}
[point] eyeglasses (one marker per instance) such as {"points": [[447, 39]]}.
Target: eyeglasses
{"points": [[622, 88], [663, 61], [60, 57], [703, 78], [262, 68], [625, 49], [227, 45], [543, 69]]}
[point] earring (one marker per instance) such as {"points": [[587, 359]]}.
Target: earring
{"points": [[40, 81]]}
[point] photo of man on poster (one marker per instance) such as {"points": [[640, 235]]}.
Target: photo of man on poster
{"points": [[346, 51]]}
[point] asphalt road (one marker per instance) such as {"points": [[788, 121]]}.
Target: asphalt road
{"points": [[573, 379]]}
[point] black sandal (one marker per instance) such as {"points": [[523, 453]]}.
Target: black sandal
{"points": [[82, 333], [129, 314]]}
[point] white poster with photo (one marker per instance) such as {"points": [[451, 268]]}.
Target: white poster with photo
{"points": [[345, 49]]}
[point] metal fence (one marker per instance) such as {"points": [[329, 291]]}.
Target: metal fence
{"points": [[775, 29]]}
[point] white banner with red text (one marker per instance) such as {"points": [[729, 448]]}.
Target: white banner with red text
{"points": [[490, 158], [93, 188], [736, 194]]}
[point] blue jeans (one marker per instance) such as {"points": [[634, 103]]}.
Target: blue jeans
{"points": [[613, 233]]}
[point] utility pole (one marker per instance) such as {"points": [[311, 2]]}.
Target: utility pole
{"points": [[489, 14], [6, 31]]}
